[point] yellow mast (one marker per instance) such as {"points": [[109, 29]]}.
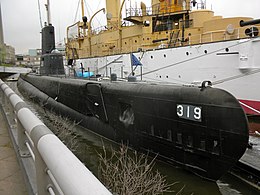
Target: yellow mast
{"points": [[82, 8], [120, 27]]}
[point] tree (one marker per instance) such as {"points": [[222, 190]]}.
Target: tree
{"points": [[129, 174]]}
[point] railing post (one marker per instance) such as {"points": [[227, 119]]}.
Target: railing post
{"points": [[42, 178], [22, 139]]}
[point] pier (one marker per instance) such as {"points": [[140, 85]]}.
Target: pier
{"points": [[8, 71]]}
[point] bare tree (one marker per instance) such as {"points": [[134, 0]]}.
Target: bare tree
{"points": [[130, 174], [62, 127]]}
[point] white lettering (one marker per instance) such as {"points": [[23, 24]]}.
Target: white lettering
{"points": [[180, 110], [197, 113]]}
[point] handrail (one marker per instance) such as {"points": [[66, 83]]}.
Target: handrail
{"points": [[58, 170]]}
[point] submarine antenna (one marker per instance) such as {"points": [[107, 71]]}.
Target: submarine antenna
{"points": [[48, 12], [40, 13]]}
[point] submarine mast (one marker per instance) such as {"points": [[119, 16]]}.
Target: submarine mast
{"points": [[51, 60]]}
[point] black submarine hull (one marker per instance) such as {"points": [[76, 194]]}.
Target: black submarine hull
{"points": [[203, 129]]}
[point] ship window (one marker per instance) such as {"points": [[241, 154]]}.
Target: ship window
{"points": [[135, 41], [179, 138], [205, 51], [164, 55], [202, 145], [169, 135], [187, 53], [151, 57], [227, 50], [167, 76], [189, 141]]}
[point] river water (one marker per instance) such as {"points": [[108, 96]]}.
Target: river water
{"points": [[89, 145]]}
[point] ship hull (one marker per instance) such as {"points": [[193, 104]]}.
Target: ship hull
{"points": [[203, 129], [230, 65]]}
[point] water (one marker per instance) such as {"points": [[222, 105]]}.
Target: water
{"points": [[89, 145]]}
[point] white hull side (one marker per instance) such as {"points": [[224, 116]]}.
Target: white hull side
{"points": [[231, 65]]}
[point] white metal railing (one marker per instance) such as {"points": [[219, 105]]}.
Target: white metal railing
{"points": [[58, 170]]}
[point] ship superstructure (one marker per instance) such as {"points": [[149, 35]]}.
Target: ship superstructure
{"points": [[175, 43]]}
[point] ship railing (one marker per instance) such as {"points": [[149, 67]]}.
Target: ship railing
{"points": [[159, 8], [55, 168], [220, 35]]}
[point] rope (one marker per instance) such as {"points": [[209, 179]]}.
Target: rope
{"points": [[76, 12], [215, 82]]}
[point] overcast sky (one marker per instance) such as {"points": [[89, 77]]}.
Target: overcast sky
{"points": [[21, 20]]}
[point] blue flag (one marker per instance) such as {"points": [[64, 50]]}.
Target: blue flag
{"points": [[135, 61]]}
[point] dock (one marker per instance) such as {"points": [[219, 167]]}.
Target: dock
{"points": [[248, 167], [11, 176]]}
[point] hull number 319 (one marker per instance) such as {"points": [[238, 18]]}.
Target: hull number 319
{"points": [[189, 112]]}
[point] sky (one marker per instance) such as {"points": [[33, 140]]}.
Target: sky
{"points": [[22, 26]]}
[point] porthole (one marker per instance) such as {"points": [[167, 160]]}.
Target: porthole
{"points": [[227, 50], [187, 53], [164, 55], [167, 76], [135, 41], [205, 51], [151, 57]]}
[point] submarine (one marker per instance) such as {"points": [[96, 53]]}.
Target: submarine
{"points": [[202, 129]]}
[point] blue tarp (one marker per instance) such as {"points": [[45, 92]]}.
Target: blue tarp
{"points": [[85, 74]]}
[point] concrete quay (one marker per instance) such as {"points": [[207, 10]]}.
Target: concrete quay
{"points": [[11, 176]]}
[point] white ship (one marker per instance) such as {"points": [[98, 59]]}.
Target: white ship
{"points": [[172, 42]]}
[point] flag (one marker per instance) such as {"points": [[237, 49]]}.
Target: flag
{"points": [[135, 61]]}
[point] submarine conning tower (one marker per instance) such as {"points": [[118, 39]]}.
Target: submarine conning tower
{"points": [[48, 39], [51, 60]]}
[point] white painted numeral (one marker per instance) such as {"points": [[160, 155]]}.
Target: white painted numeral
{"points": [[189, 112], [197, 113], [180, 110]]}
